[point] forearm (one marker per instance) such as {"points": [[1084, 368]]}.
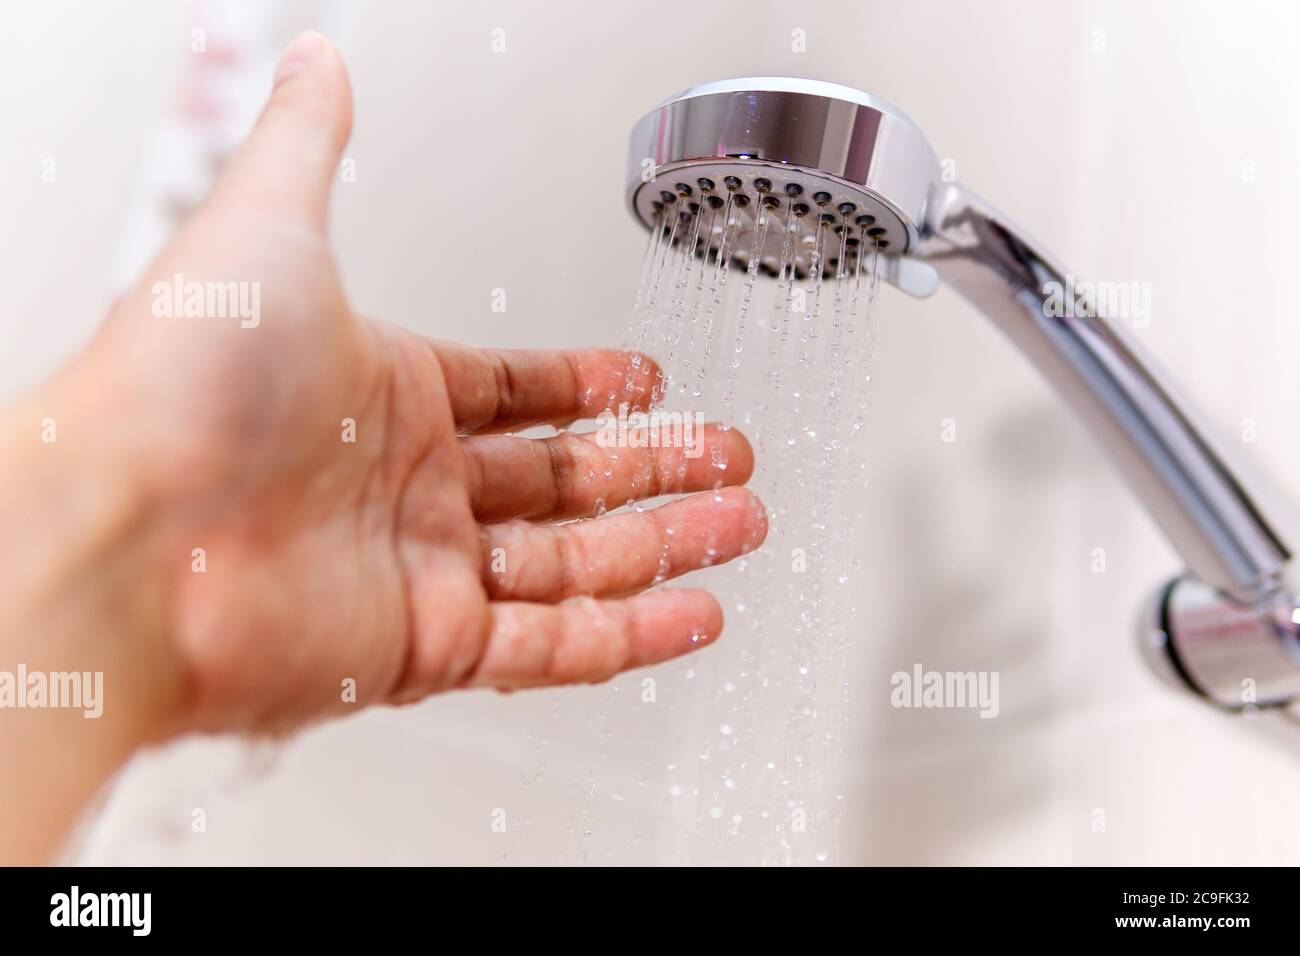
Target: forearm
{"points": [[82, 679]]}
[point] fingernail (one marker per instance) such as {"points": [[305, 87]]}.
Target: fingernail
{"points": [[298, 54]]}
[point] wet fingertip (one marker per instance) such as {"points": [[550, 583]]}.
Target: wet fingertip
{"points": [[737, 454], [734, 494], [649, 364], [741, 458], [759, 534], [640, 375], [755, 515], [718, 617], [708, 616]]}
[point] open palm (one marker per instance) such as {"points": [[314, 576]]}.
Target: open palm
{"points": [[341, 510]]}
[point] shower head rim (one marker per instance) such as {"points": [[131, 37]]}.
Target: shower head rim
{"points": [[850, 137], [793, 84]]}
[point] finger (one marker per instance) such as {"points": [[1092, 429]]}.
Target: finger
{"points": [[571, 476], [287, 164], [587, 641], [621, 554], [496, 390]]}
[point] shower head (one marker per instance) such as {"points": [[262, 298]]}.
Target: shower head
{"points": [[824, 157], [781, 147]]}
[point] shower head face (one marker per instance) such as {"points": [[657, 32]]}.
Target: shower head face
{"points": [[770, 148]]}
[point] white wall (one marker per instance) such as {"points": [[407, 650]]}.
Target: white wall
{"points": [[1127, 162]]}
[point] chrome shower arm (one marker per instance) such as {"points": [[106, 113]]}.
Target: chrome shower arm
{"points": [[1185, 483], [1232, 622], [854, 164]]}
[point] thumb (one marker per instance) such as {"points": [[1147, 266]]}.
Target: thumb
{"points": [[286, 166]]}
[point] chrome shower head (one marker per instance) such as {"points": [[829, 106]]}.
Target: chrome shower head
{"points": [[781, 147], [776, 147]]}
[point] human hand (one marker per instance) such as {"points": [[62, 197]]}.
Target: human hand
{"points": [[371, 560]]}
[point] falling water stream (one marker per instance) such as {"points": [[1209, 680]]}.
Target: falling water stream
{"points": [[785, 357]]}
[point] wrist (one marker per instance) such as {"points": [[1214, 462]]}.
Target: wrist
{"points": [[80, 558]]}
